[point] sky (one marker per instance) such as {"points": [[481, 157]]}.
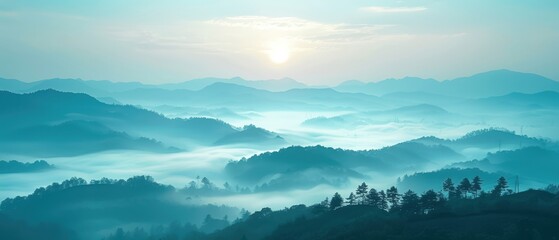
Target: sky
{"points": [[315, 42]]}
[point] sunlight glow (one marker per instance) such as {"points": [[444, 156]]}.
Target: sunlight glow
{"points": [[279, 53]]}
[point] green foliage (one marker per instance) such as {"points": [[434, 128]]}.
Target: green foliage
{"points": [[501, 187], [552, 188], [465, 187], [361, 193], [336, 201], [351, 199], [527, 215], [410, 204], [476, 185], [393, 197]]}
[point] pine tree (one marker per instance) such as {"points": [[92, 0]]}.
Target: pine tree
{"points": [[325, 202], [448, 186], [351, 200], [373, 198], [465, 187], [410, 203], [393, 198], [361, 193], [336, 201], [476, 185], [383, 204], [501, 186], [429, 201]]}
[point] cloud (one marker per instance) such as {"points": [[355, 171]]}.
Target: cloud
{"points": [[379, 9], [302, 29], [266, 23], [244, 34]]}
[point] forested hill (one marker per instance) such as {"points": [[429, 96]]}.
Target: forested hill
{"points": [[452, 213]]}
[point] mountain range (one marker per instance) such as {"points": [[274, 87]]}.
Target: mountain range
{"points": [[487, 84], [104, 87], [92, 208], [59, 123], [513, 87], [289, 167]]}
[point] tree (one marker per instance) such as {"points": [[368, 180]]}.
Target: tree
{"points": [[206, 183], [476, 185], [552, 188], [501, 186], [211, 224], [373, 198], [336, 201], [410, 203], [465, 187], [227, 186], [322, 207], [351, 200], [192, 185], [361, 193], [383, 204], [325, 202], [448, 186], [393, 198], [429, 201]]}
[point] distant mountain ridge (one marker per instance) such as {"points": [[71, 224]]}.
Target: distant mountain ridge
{"points": [[487, 84], [239, 94], [251, 134], [275, 85], [491, 138], [516, 100], [245, 98], [542, 167], [104, 87], [424, 113], [285, 168], [76, 123], [21, 167]]}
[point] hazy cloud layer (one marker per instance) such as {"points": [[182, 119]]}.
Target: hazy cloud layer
{"points": [[182, 40], [379, 9]]}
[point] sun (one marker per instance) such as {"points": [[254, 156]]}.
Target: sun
{"points": [[279, 54]]}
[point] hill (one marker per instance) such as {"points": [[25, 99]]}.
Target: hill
{"points": [[407, 84], [238, 97], [251, 134], [487, 84], [422, 113], [523, 101], [20, 167], [276, 85], [93, 208], [100, 88], [490, 139], [34, 118], [519, 216], [423, 181], [530, 164], [73, 138], [305, 167], [294, 167]]}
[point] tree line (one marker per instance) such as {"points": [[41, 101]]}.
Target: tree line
{"points": [[411, 203]]}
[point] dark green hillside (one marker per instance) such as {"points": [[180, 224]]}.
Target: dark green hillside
{"points": [[90, 208]]}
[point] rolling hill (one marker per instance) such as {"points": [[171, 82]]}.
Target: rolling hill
{"points": [[52, 119], [487, 84], [92, 208]]}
